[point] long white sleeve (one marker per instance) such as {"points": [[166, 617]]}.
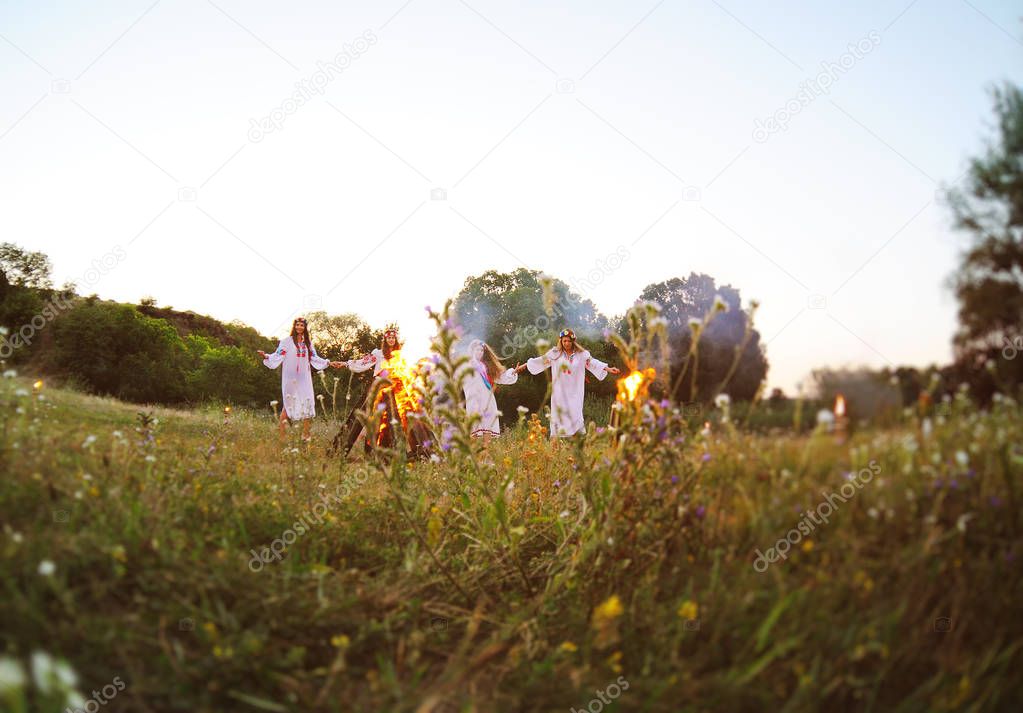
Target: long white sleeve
{"points": [[596, 367], [510, 376], [316, 361], [275, 359], [538, 364], [364, 364]]}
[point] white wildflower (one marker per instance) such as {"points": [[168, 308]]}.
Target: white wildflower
{"points": [[89, 440], [962, 458], [12, 675], [47, 568], [522, 409], [963, 519], [10, 374], [719, 304], [722, 400]]}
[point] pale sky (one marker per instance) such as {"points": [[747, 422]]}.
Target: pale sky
{"points": [[559, 132]]}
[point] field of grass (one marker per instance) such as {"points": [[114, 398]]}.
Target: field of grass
{"points": [[145, 548]]}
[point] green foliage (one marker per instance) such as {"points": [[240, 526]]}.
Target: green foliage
{"points": [[524, 577], [989, 284], [25, 268], [725, 335], [114, 349]]}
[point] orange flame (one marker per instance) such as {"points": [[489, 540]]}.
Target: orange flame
{"points": [[405, 380], [634, 384], [840, 406]]}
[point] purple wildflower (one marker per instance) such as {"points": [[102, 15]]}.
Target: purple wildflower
{"points": [[701, 512], [954, 484], [674, 479], [994, 501], [706, 457]]}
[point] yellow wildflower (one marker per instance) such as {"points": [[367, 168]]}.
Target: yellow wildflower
{"points": [[689, 610], [340, 641], [808, 546], [568, 647], [607, 612]]}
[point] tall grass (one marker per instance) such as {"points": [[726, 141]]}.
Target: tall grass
{"points": [[528, 577]]}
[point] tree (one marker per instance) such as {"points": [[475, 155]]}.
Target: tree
{"points": [[989, 284], [507, 311], [341, 336], [113, 349], [693, 297], [23, 268]]}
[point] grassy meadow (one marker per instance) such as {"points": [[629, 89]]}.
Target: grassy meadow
{"points": [[147, 546]]}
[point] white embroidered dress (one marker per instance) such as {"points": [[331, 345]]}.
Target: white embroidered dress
{"points": [[479, 392], [297, 362], [569, 377]]}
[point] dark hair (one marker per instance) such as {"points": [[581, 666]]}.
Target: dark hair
{"points": [[386, 348], [307, 336]]}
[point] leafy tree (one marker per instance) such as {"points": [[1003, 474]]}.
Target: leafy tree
{"points": [[693, 297], [989, 284], [24, 268], [507, 311], [341, 336], [113, 349]]}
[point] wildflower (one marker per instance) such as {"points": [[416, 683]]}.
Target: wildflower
{"points": [[12, 675], [701, 512], [674, 479], [47, 568], [89, 440], [43, 671], [719, 304], [614, 661], [608, 611], [962, 458], [689, 610], [568, 647], [38, 385], [340, 641], [994, 501], [722, 401], [564, 514], [706, 457], [10, 374], [274, 404], [963, 519], [808, 546], [119, 554]]}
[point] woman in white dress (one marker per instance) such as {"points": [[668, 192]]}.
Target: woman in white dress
{"points": [[485, 373], [377, 361], [569, 363], [297, 356]]}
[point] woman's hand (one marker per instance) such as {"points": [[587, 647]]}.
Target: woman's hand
{"points": [[519, 368], [262, 354], [338, 364], [614, 370]]}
